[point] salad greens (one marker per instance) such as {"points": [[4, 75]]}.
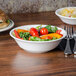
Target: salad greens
{"points": [[54, 38], [24, 35], [8, 21], [38, 39], [51, 29], [38, 27]]}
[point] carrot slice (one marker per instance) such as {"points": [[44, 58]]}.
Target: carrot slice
{"points": [[17, 34], [21, 30]]}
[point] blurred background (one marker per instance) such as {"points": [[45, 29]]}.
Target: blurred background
{"points": [[32, 6]]}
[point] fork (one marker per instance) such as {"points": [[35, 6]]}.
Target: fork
{"points": [[69, 36], [74, 36]]}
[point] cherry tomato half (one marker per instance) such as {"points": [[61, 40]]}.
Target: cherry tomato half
{"points": [[58, 31], [48, 37], [34, 32], [43, 31]]}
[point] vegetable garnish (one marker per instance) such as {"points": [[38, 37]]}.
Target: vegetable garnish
{"points": [[17, 34], [46, 33], [8, 21], [34, 32], [51, 29], [38, 27], [24, 35], [38, 39], [21, 30], [58, 31], [48, 37], [51, 35], [43, 31]]}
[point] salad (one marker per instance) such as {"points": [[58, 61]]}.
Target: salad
{"points": [[68, 12], [38, 33]]}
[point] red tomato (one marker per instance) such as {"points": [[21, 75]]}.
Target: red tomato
{"points": [[48, 37], [61, 34], [58, 31], [43, 31], [34, 32]]}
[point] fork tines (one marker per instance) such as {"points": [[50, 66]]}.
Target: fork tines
{"points": [[69, 36], [69, 30]]}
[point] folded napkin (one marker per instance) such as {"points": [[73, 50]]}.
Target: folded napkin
{"points": [[62, 44]]}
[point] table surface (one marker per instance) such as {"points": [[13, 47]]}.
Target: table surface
{"points": [[16, 62]]}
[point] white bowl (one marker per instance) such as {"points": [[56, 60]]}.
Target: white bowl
{"points": [[37, 46], [67, 20]]}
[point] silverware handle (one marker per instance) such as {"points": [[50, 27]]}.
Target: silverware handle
{"points": [[67, 48], [74, 50]]}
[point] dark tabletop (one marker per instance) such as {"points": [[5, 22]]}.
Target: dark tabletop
{"points": [[16, 62]]}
